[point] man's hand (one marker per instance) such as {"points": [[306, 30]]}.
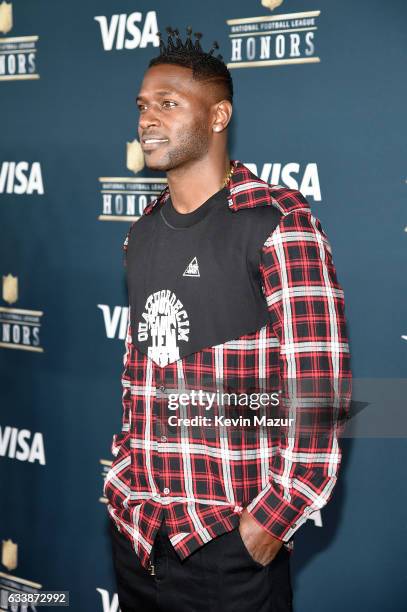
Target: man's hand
{"points": [[262, 546]]}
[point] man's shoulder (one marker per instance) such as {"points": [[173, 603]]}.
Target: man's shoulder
{"points": [[287, 200], [274, 207], [140, 224], [247, 190]]}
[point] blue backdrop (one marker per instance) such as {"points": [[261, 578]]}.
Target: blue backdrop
{"points": [[320, 95]]}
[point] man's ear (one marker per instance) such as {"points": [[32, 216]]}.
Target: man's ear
{"points": [[222, 115]]}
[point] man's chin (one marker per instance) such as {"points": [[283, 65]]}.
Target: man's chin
{"points": [[159, 165]]}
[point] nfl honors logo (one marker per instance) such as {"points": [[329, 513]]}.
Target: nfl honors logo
{"points": [[11, 584], [125, 198], [17, 54], [10, 288], [19, 328], [273, 40], [9, 554], [6, 17]]}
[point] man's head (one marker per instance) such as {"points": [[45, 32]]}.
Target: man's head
{"points": [[185, 103]]}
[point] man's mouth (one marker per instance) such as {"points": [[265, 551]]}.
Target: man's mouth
{"points": [[152, 143]]}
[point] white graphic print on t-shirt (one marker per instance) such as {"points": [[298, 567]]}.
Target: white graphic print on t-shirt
{"points": [[192, 268], [166, 323]]}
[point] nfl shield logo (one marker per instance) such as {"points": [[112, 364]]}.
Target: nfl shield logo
{"points": [[10, 288], [6, 17], [271, 4], [9, 554]]}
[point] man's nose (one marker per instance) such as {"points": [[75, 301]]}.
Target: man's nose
{"points": [[149, 117]]}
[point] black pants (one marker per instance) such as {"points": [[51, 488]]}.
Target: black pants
{"points": [[221, 576]]}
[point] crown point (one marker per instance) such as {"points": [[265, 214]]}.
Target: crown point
{"points": [[214, 46]]}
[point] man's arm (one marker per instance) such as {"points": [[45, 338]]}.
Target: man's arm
{"points": [[126, 373], [306, 306], [126, 392]]}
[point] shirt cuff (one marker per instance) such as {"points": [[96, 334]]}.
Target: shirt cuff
{"points": [[276, 515]]}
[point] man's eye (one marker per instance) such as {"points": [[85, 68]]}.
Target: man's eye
{"points": [[169, 103], [140, 107]]}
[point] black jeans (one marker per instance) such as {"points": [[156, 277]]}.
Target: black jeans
{"points": [[221, 576]]}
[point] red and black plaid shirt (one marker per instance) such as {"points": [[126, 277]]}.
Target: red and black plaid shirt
{"points": [[199, 479]]}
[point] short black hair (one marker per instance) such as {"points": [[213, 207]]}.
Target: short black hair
{"points": [[205, 67]]}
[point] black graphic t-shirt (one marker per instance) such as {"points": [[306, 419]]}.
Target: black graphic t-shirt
{"points": [[193, 278]]}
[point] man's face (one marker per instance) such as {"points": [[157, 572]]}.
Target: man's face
{"points": [[175, 112]]}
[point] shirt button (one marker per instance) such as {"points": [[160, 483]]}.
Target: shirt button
{"points": [[293, 525], [163, 438], [162, 388], [166, 491]]}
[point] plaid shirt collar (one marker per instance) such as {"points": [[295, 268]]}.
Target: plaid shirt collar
{"points": [[246, 190]]}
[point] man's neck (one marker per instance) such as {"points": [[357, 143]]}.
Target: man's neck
{"points": [[193, 185]]}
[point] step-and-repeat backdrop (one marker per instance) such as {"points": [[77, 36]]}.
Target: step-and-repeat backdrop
{"points": [[320, 93]]}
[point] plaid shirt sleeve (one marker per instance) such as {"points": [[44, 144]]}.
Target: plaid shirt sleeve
{"points": [[306, 307], [126, 373], [126, 394]]}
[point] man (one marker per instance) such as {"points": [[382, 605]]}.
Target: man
{"points": [[232, 289]]}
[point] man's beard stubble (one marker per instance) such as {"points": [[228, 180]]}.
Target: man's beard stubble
{"points": [[191, 146]]}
